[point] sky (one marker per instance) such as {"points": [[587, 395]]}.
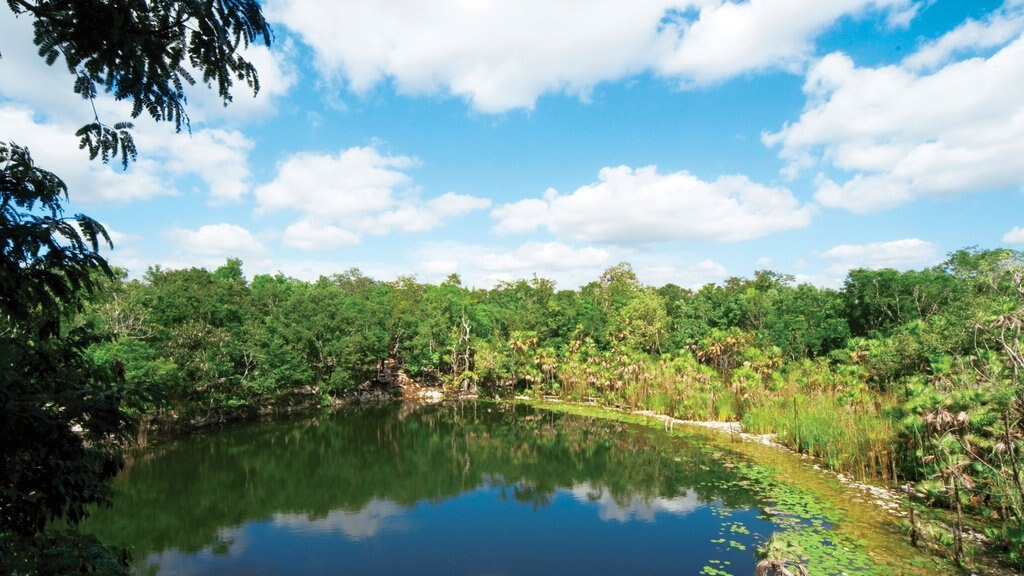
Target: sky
{"points": [[502, 139]]}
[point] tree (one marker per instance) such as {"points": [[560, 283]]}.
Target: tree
{"points": [[146, 53], [61, 419], [643, 321]]}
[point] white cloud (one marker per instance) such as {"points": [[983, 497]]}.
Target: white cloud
{"points": [[311, 235], [50, 91], [357, 191], [523, 216], [219, 157], [351, 184], [628, 206], [217, 240], [127, 252], [540, 256], [693, 276], [996, 29], [438, 268], [504, 54], [1014, 236], [898, 134], [499, 55], [731, 38], [567, 265], [423, 217], [485, 266], [903, 254]]}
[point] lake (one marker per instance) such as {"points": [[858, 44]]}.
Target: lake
{"points": [[472, 488]]}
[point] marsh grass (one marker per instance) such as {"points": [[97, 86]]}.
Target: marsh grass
{"points": [[847, 440], [814, 408]]}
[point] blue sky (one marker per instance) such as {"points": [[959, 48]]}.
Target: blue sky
{"points": [[695, 139]]}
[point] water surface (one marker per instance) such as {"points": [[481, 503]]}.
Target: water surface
{"points": [[474, 489]]}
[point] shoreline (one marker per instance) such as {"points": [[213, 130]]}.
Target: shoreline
{"points": [[891, 501]]}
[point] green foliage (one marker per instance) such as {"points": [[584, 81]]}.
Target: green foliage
{"points": [[145, 53], [46, 259], [60, 416], [61, 552]]}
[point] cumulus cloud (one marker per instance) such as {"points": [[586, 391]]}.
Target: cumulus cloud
{"points": [[896, 134], [484, 266], [498, 55], [569, 266], [534, 256], [993, 31], [1014, 236], [217, 240], [426, 216], [354, 192], [692, 276], [903, 254], [127, 252], [50, 91], [731, 38], [504, 54], [311, 235], [219, 157], [352, 183], [628, 206]]}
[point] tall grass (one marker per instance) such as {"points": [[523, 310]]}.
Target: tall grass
{"points": [[851, 441], [812, 407]]}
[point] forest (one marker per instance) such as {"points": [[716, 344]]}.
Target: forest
{"points": [[897, 377]]}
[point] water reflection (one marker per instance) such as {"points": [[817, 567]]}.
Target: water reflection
{"points": [[473, 489], [635, 507], [374, 518]]}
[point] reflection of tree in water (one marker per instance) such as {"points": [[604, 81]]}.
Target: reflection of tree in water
{"points": [[183, 494]]}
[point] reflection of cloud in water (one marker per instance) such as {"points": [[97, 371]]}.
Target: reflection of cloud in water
{"points": [[376, 516], [232, 542], [637, 507]]}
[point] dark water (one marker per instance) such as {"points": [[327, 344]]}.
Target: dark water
{"points": [[474, 489]]}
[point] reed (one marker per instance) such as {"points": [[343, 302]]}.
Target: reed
{"points": [[847, 439]]}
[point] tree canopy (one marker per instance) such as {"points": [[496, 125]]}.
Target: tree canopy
{"points": [[61, 414], [146, 53]]}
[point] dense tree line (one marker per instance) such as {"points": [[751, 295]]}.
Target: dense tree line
{"points": [[905, 376]]}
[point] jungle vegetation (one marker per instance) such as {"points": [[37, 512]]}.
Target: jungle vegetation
{"points": [[902, 377]]}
